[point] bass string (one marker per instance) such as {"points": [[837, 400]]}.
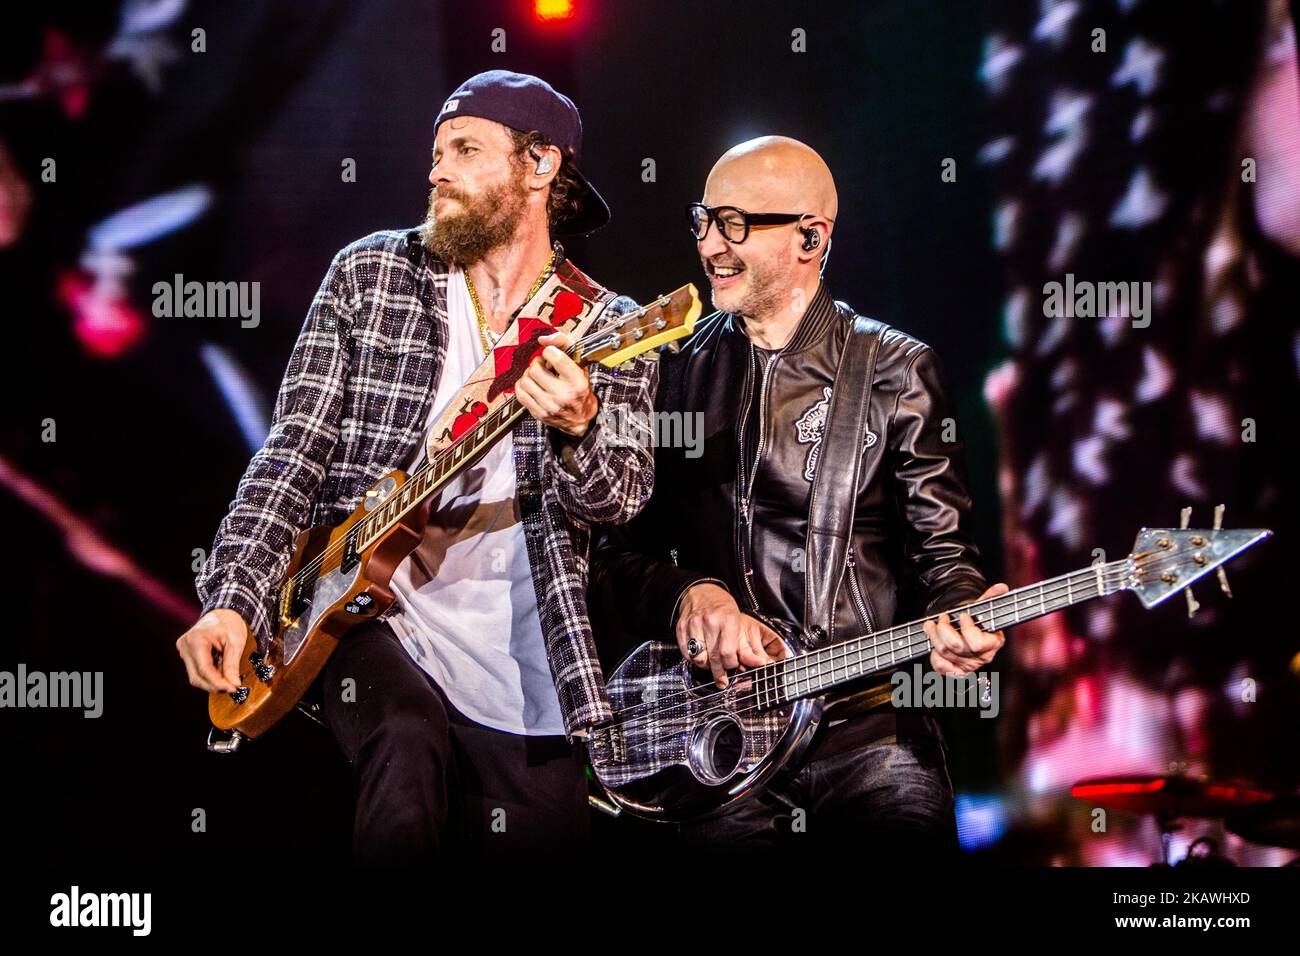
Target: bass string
{"points": [[1113, 572], [846, 649], [1113, 575], [611, 336]]}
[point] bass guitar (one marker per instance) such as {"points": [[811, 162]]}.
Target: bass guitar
{"points": [[679, 747]]}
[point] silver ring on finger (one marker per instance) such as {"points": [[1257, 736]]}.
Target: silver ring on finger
{"points": [[694, 648]]}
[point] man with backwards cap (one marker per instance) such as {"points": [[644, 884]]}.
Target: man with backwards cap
{"points": [[722, 543], [458, 709]]}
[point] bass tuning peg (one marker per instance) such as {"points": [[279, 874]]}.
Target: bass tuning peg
{"points": [[1184, 519], [1222, 572]]}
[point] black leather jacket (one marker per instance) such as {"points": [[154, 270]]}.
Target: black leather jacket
{"points": [[734, 509]]}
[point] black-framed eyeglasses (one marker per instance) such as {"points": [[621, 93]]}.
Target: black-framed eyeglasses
{"points": [[734, 222]]}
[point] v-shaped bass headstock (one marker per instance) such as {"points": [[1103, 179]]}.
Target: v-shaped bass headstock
{"points": [[666, 319], [1166, 560]]}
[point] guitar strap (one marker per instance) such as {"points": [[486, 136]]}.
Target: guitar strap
{"points": [[835, 483], [568, 302]]}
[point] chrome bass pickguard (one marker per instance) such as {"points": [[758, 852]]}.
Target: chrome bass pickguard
{"points": [[324, 594], [328, 588]]}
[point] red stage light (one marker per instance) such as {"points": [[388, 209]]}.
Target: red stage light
{"points": [[546, 10]]}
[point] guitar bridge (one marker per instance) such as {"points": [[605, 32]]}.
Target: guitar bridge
{"points": [[608, 745]]}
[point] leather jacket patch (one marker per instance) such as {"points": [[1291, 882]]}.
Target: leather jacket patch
{"points": [[808, 429]]}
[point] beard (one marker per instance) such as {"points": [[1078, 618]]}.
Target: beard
{"points": [[765, 290], [482, 224]]}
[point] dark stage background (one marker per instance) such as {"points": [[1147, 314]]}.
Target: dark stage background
{"points": [[227, 165]]}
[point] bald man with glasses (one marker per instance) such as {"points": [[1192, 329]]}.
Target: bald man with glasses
{"points": [[719, 550]]}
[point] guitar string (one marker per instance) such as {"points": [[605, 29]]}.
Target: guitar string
{"points": [[1113, 573], [606, 333], [914, 648], [1109, 570], [504, 413], [872, 644], [447, 453]]}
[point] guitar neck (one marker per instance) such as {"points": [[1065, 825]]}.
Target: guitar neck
{"points": [[436, 472], [656, 324], [821, 670]]}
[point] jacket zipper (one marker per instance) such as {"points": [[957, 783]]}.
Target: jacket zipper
{"points": [[855, 591], [747, 501]]}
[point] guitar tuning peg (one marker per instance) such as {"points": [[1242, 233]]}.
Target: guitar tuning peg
{"points": [[1192, 603], [1223, 574], [1185, 517], [1223, 582]]}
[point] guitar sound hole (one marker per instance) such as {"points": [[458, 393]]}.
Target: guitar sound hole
{"points": [[716, 748]]}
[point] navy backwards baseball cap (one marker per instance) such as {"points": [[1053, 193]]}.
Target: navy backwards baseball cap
{"points": [[526, 103]]}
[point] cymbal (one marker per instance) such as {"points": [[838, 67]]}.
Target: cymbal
{"points": [[1275, 823], [1172, 795]]}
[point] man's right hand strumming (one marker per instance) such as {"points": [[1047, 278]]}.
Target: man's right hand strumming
{"points": [[219, 633], [727, 637]]}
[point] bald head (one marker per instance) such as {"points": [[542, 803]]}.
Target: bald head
{"points": [[773, 174], [768, 272]]}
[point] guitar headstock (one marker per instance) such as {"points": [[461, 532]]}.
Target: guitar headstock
{"points": [[666, 319], [1166, 560]]}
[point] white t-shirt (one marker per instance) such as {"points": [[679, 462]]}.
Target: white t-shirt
{"points": [[468, 609]]}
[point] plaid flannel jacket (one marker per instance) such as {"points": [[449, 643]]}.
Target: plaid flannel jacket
{"points": [[353, 406]]}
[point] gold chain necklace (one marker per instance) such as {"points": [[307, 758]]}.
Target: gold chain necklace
{"points": [[478, 309]]}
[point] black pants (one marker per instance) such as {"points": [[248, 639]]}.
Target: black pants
{"points": [[427, 779], [890, 797]]}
